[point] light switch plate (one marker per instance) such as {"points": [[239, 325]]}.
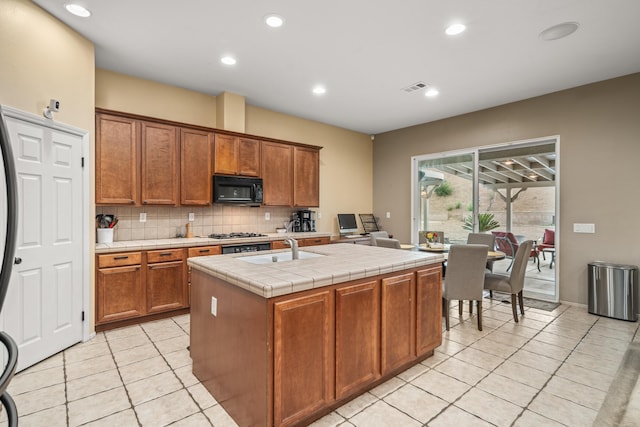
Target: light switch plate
{"points": [[143, 217], [319, 215], [584, 228], [388, 214], [214, 306], [267, 216], [192, 216]]}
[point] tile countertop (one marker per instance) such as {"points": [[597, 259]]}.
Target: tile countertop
{"points": [[137, 245], [342, 262]]}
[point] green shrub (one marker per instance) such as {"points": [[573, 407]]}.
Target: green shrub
{"points": [[486, 222], [444, 189], [470, 207], [458, 205]]}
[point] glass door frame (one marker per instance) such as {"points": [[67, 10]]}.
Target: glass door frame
{"points": [[475, 153]]}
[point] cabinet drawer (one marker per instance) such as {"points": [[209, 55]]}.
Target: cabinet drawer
{"points": [[165, 255], [119, 259], [204, 251], [316, 241]]}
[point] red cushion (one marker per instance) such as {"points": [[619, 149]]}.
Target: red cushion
{"points": [[549, 237]]}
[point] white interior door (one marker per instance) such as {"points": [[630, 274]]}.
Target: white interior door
{"points": [[44, 303]]}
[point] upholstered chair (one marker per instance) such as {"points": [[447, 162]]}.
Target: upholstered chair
{"points": [[375, 234], [465, 278], [483, 239], [385, 242], [514, 283]]}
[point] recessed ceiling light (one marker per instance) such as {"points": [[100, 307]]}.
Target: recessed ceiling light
{"points": [[319, 90], [274, 21], [431, 92], [559, 31], [228, 60], [454, 29], [78, 10]]}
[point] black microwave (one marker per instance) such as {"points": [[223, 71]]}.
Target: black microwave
{"points": [[237, 189]]}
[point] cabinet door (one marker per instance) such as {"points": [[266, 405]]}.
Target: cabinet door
{"points": [[116, 160], [313, 241], [357, 336], [225, 159], [277, 174], [248, 157], [195, 167], [398, 321], [428, 309], [303, 357], [160, 163], [166, 286], [306, 177], [278, 244], [119, 293]]}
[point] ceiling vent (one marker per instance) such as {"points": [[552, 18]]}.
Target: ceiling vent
{"points": [[414, 87]]}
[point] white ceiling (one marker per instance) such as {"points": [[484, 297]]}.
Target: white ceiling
{"points": [[363, 51]]}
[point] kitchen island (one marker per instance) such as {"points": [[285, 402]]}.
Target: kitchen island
{"points": [[283, 343]]}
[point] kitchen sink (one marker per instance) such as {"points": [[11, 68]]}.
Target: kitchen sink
{"points": [[277, 257]]}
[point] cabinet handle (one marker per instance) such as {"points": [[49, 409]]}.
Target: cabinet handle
{"points": [[166, 254], [133, 202], [204, 251], [121, 257], [144, 202]]}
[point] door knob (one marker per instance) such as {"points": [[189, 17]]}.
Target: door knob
{"points": [[17, 260]]}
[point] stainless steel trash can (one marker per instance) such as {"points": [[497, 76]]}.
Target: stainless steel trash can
{"points": [[612, 290]]}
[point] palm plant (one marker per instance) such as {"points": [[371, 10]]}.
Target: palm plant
{"points": [[486, 222]]}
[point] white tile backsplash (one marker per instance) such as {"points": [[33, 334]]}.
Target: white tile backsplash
{"points": [[162, 222]]}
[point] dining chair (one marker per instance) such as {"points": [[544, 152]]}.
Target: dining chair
{"points": [[465, 278], [513, 283], [483, 239], [376, 234], [386, 242]]}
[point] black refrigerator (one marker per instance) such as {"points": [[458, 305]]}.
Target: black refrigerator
{"points": [[8, 198]]}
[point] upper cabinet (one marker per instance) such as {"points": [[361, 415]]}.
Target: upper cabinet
{"points": [[117, 154], [306, 177], [160, 162], [277, 174], [195, 167], [236, 155]]}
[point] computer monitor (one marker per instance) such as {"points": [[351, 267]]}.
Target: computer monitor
{"points": [[347, 223]]}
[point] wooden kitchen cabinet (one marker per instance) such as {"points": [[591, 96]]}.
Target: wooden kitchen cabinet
{"points": [[357, 336], [428, 309], [166, 281], [313, 241], [277, 174], [117, 155], [302, 343], [160, 165], [234, 155], [306, 177], [120, 292], [195, 167], [398, 321]]}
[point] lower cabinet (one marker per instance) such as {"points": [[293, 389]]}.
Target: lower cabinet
{"points": [[120, 292], [303, 366], [428, 313], [309, 241], [166, 281], [398, 321]]}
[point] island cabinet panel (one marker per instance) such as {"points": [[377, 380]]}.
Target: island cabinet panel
{"points": [[160, 163], [277, 174], [428, 309], [398, 321], [302, 343], [120, 292], [167, 287], [306, 177], [195, 167], [117, 157], [357, 336]]}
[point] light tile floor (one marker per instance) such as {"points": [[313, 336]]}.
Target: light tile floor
{"points": [[551, 369]]}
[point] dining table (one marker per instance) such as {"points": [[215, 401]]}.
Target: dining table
{"points": [[444, 250]]}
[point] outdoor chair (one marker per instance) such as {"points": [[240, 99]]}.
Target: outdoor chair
{"points": [[514, 283], [548, 241], [506, 242]]}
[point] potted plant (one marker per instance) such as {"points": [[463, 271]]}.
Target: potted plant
{"points": [[486, 222]]}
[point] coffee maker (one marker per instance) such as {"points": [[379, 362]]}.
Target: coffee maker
{"points": [[304, 221]]}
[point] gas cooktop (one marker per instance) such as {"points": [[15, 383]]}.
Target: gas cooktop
{"points": [[235, 235]]}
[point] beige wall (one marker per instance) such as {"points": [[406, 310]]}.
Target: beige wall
{"points": [[599, 129]]}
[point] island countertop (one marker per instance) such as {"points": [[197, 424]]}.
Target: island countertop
{"points": [[341, 262]]}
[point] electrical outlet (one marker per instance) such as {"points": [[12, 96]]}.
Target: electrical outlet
{"points": [[319, 215], [388, 214], [267, 216], [192, 216], [143, 217], [214, 306]]}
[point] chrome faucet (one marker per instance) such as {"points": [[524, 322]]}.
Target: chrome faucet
{"points": [[294, 246]]}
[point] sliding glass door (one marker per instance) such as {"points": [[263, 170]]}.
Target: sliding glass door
{"points": [[509, 188]]}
